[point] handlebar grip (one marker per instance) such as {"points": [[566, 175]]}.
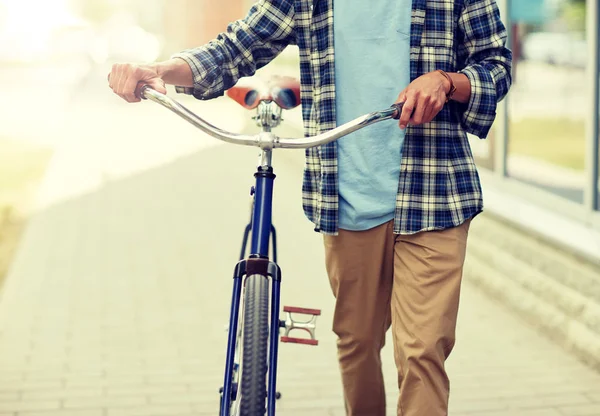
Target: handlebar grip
{"points": [[143, 90], [398, 110]]}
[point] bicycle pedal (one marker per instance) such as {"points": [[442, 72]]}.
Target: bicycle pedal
{"points": [[304, 311], [292, 322], [305, 341]]}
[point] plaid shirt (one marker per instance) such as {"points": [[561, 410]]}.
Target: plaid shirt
{"points": [[438, 186]]}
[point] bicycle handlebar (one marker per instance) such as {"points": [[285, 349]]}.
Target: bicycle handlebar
{"points": [[266, 140]]}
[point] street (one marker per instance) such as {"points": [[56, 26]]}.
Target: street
{"points": [[118, 298]]}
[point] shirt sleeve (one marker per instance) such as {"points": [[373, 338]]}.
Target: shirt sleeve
{"points": [[247, 45], [488, 64]]}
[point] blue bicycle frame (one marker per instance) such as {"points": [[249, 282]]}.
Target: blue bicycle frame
{"points": [[258, 262]]}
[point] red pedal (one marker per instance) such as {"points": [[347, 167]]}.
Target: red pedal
{"points": [[307, 323], [300, 341], [306, 311]]}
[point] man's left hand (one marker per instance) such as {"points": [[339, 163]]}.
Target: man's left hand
{"points": [[423, 99]]}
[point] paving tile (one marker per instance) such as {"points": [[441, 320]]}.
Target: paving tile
{"points": [[581, 410], [22, 406], [66, 412]]}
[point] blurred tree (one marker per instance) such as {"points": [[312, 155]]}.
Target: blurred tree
{"points": [[574, 13]]}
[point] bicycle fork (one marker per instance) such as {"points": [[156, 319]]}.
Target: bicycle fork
{"points": [[262, 231]]}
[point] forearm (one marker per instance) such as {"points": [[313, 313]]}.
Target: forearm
{"points": [[246, 45], [175, 72], [485, 61]]}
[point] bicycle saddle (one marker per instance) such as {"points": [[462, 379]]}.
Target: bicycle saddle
{"points": [[284, 91]]}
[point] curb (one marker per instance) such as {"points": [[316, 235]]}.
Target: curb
{"points": [[555, 308]]}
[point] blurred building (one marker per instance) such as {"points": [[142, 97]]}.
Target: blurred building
{"points": [[538, 246], [189, 23], [545, 140]]}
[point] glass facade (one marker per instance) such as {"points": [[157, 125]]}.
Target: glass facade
{"points": [[547, 107], [546, 135], [597, 169]]}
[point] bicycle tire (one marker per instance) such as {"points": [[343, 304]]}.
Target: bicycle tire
{"points": [[255, 337]]}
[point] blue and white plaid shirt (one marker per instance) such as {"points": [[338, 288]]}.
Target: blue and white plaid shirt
{"points": [[438, 186]]}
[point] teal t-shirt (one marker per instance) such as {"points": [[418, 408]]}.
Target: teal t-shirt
{"points": [[372, 66]]}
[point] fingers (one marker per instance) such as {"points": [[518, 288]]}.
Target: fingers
{"points": [[419, 108], [435, 106], [424, 98], [117, 80], [159, 85], [127, 86], [407, 110], [125, 80]]}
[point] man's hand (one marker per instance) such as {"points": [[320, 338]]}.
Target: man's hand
{"points": [[423, 99], [126, 80]]}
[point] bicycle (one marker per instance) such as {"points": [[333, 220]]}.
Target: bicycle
{"points": [[254, 324]]}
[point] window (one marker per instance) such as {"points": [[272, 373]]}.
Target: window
{"points": [[547, 105]]}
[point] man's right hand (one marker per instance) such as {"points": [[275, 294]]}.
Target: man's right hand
{"points": [[126, 80]]}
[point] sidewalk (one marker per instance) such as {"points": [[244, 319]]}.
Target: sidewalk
{"points": [[117, 301]]}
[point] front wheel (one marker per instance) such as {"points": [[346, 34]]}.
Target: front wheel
{"points": [[255, 345]]}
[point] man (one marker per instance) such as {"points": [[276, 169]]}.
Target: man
{"points": [[394, 205]]}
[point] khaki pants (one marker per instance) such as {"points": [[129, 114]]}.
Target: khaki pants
{"points": [[411, 282]]}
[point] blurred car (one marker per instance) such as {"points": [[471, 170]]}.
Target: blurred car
{"points": [[565, 49]]}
